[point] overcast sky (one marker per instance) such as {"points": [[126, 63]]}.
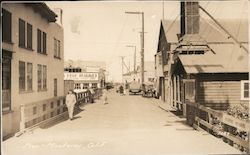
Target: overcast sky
{"points": [[100, 31]]}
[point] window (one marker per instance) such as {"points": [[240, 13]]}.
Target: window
{"points": [[25, 76], [21, 75], [41, 42], [39, 49], [6, 84], [189, 86], [191, 52], [56, 48], [21, 33], [85, 85], [29, 76], [6, 27], [44, 42], [44, 77], [6, 71], [39, 77], [94, 85], [77, 86], [29, 36], [244, 90], [55, 88], [160, 59]]}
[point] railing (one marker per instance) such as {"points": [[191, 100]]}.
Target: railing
{"points": [[36, 113], [232, 130], [42, 112]]}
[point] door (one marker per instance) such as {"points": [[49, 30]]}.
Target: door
{"points": [[6, 84]]}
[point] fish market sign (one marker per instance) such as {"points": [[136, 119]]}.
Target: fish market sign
{"points": [[80, 76]]}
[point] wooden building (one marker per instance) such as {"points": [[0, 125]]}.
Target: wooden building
{"points": [[202, 64]]}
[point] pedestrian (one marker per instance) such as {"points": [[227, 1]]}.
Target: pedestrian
{"points": [[70, 102], [121, 89], [92, 93], [105, 97], [125, 92]]}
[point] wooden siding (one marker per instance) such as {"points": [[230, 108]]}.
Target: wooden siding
{"points": [[219, 94]]}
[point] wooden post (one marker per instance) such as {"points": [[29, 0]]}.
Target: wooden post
{"points": [[171, 91], [22, 122], [184, 108], [178, 92], [174, 91]]}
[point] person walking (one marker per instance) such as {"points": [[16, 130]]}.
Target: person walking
{"points": [[105, 97], [92, 93], [70, 102], [121, 89], [125, 91]]}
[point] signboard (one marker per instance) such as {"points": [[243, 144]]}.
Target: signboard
{"points": [[81, 76]]}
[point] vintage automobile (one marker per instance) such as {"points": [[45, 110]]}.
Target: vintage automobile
{"points": [[148, 90], [134, 88]]}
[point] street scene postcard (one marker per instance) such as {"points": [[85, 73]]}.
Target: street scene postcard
{"points": [[125, 77]]}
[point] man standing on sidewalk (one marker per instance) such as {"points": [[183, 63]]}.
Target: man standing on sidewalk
{"points": [[70, 102]]}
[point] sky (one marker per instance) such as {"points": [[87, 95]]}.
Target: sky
{"points": [[100, 30]]}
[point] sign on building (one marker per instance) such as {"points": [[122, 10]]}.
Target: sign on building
{"points": [[81, 76]]}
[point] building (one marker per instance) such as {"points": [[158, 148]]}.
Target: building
{"points": [[149, 74], [201, 64], [32, 59], [85, 74]]}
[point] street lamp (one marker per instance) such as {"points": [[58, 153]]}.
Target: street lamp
{"points": [[142, 45], [133, 46]]}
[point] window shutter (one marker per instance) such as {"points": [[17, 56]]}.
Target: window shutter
{"points": [[44, 42], [21, 33], [29, 36], [39, 41]]}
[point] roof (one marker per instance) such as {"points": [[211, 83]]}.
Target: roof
{"points": [[209, 30], [227, 57], [43, 10]]}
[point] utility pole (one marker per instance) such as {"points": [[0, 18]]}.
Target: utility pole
{"points": [[122, 57], [163, 9], [142, 45], [142, 51], [135, 59], [134, 55]]}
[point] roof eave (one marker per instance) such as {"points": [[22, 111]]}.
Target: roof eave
{"points": [[43, 10]]}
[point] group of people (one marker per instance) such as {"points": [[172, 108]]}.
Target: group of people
{"points": [[71, 100]]}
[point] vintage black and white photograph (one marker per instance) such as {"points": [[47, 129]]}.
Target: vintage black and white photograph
{"points": [[136, 77]]}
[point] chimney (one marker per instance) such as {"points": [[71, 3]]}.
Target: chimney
{"points": [[192, 17], [59, 13], [189, 18], [182, 19]]}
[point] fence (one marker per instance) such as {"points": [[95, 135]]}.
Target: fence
{"points": [[42, 112], [231, 129]]}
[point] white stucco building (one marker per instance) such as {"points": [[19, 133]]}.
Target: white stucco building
{"points": [[32, 59]]}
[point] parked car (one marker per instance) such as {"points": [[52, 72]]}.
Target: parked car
{"points": [[134, 87], [148, 91]]}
